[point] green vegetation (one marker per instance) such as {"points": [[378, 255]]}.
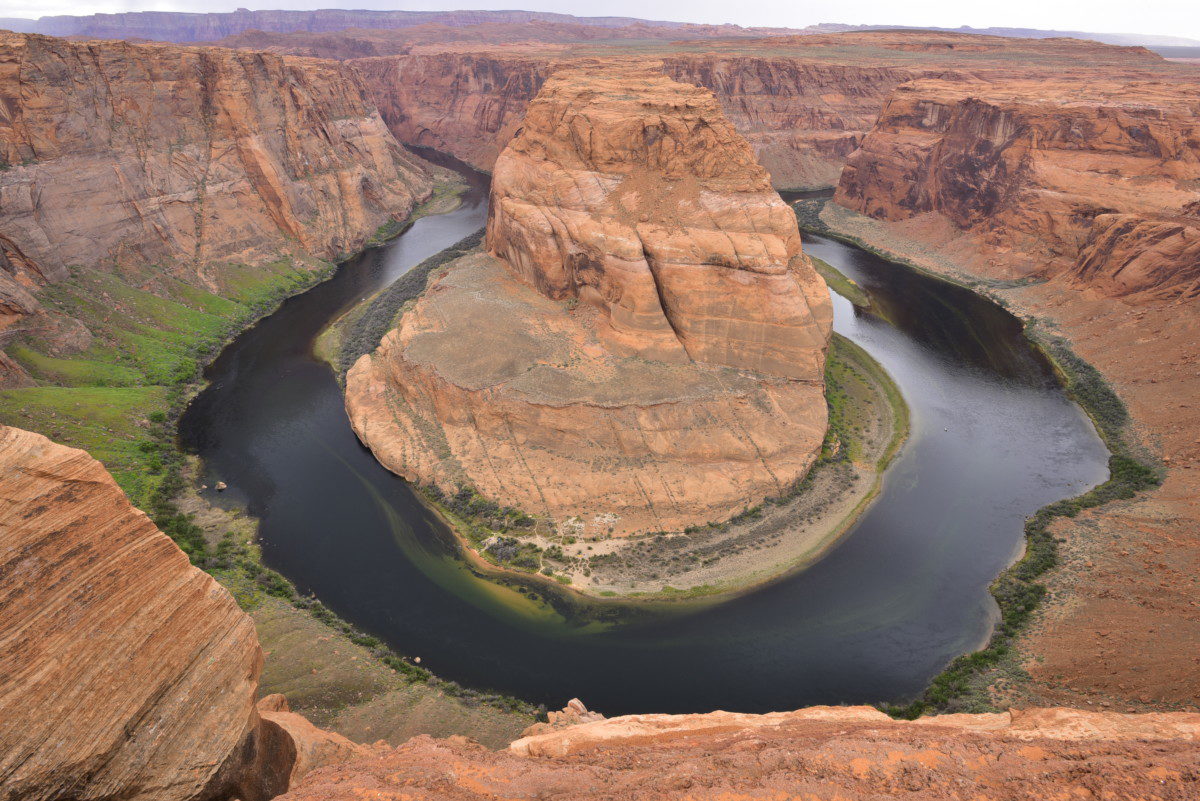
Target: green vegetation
{"points": [[362, 329], [121, 396], [840, 284], [964, 685], [118, 397]]}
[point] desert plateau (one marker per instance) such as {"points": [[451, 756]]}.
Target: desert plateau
{"points": [[752, 403]]}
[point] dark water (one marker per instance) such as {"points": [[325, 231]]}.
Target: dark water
{"points": [[993, 439]]}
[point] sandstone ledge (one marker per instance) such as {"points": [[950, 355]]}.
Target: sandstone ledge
{"points": [[820, 752]]}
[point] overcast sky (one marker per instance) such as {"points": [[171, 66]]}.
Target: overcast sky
{"points": [[1172, 17]]}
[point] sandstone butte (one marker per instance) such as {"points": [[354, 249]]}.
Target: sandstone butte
{"points": [[127, 672], [803, 102], [687, 382], [1089, 191], [187, 160]]}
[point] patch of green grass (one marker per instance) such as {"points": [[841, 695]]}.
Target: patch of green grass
{"points": [[108, 422]]}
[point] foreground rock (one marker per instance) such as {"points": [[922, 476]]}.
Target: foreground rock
{"points": [[820, 752], [1094, 180], [688, 379], [128, 673]]}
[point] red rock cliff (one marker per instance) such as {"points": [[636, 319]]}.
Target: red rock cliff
{"points": [[128, 673], [635, 194], [1093, 180], [803, 102], [184, 158], [689, 379]]}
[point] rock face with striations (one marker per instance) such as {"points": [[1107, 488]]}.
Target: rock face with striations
{"points": [[128, 673], [188, 159], [633, 193], [653, 341], [1093, 181]]}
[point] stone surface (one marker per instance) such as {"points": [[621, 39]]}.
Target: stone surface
{"points": [[686, 383], [820, 752], [128, 673], [632, 192], [803, 102], [1093, 179], [188, 159]]}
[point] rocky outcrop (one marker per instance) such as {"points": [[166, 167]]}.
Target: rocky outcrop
{"points": [[688, 379], [1093, 180], [634, 194], [820, 752], [128, 673]]}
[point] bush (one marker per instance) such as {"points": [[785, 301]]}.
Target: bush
{"points": [[365, 333]]}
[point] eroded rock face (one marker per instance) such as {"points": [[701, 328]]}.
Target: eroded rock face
{"points": [[820, 752], [803, 102], [801, 118], [187, 156], [128, 673], [632, 192], [646, 353], [1092, 180]]}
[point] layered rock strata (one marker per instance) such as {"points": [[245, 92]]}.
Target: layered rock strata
{"points": [[803, 102], [634, 194], [653, 352], [128, 673], [1097, 181], [820, 752], [188, 159]]}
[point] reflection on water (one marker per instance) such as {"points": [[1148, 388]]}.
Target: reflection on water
{"points": [[993, 439]]}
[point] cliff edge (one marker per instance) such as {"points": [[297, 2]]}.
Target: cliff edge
{"points": [[128, 673]]}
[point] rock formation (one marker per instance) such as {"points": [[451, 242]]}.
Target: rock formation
{"points": [[634, 194], [820, 752], [1092, 179], [803, 102], [689, 379], [189, 159], [128, 673]]}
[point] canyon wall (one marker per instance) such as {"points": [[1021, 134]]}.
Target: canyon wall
{"points": [[1093, 180], [655, 339], [803, 102], [128, 673], [819, 752], [635, 194], [801, 118], [117, 155]]}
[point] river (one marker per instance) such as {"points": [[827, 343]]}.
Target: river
{"points": [[993, 439]]}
